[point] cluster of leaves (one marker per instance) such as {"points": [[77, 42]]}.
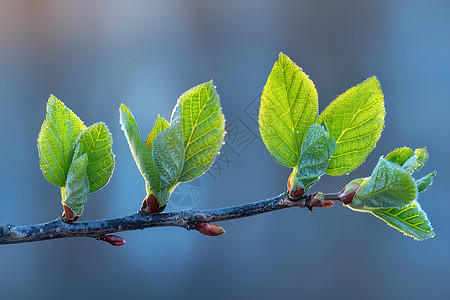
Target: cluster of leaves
{"points": [[76, 158], [181, 150], [79, 159], [391, 192], [336, 142]]}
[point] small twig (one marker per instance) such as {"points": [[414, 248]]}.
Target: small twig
{"points": [[188, 219], [333, 196]]}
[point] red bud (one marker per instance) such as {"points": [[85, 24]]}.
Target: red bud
{"points": [[150, 205], [114, 240], [295, 194], [68, 214], [349, 191], [316, 200], [327, 203], [209, 229]]}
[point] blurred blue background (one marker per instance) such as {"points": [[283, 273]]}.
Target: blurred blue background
{"points": [[93, 55]]}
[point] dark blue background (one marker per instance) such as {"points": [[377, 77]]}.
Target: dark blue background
{"points": [[94, 55]]}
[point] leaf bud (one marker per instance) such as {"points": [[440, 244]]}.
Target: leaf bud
{"points": [[295, 194], [317, 200], [349, 191], [114, 240], [150, 205], [68, 215], [209, 229]]}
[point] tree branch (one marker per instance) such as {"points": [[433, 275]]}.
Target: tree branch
{"points": [[188, 219]]}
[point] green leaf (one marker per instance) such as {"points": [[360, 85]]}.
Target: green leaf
{"points": [[77, 185], [139, 149], [315, 154], [289, 105], [411, 220], [355, 119], [424, 182], [412, 161], [56, 141], [160, 125], [400, 156], [168, 153], [203, 127], [96, 141], [415, 162], [163, 195], [390, 193], [389, 186]]}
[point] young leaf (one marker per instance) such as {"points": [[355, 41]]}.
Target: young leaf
{"points": [[412, 161], [162, 196], [160, 125], [386, 192], [315, 154], [400, 156], [203, 127], [139, 149], [411, 220], [424, 182], [168, 153], [56, 141], [96, 141], [356, 119], [415, 162], [389, 186], [77, 185], [289, 105], [165, 142]]}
